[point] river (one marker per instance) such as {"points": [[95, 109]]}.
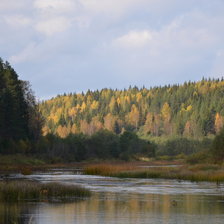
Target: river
{"points": [[121, 201]]}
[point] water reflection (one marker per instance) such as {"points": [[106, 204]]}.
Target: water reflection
{"points": [[111, 208]]}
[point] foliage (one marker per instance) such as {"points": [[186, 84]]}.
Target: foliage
{"points": [[20, 120], [119, 124], [101, 145], [199, 157], [218, 147], [191, 110]]}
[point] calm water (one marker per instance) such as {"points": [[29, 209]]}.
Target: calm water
{"points": [[137, 201]]}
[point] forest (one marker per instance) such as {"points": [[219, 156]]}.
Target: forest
{"points": [[174, 120], [178, 119], [194, 109]]}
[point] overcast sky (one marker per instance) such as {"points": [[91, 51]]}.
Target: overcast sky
{"points": [[74, 45]]}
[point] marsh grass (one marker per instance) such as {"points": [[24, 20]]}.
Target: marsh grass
{"points": [[200, 172], [179, 175], [105, 169], [11, 191], [26, 171]]}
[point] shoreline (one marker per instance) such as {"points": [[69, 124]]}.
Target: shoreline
{"points": [[176, 169]]}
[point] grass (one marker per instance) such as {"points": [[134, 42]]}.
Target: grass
{"points": [[12, 191], [105, 169], [200, 172], [19, 159]]}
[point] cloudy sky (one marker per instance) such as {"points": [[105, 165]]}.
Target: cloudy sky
{"points": [[74, 45]]}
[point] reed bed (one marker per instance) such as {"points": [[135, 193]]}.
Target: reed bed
{"points": [[200, 172], [11, 191], [107, 169]]}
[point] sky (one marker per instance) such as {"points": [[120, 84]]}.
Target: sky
{"points": [[64, 46]]}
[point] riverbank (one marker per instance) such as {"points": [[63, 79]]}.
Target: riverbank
{"points": [[199, 172], [175, 169], [22, 163]]}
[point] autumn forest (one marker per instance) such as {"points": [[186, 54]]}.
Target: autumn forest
{"points": [[172, 120]]}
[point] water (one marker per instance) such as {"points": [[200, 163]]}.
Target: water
{"points": [[118, 201]]}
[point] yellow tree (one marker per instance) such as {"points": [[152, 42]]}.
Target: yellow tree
{"points": [[133, 116], [148, 127], [113, 105], [63, 131], [74, 129], [89, 100], [72, 113], [95, 105], [109, 122], [95, 125], [218, 123], [138, 97], [83, 107], [166, 116], [84, 127], [46, 130]]}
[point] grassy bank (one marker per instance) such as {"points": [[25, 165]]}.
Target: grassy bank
{"points": [[203, 172], [12, 191]]}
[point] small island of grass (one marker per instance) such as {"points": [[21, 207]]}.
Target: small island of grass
{"points": [[14, 191]]}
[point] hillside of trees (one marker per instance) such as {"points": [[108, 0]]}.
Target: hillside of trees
{"points": [[192, 110], [111, 124], [20, 120], [21, 124]]}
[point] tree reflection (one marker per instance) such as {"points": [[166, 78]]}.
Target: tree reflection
{"points": [[118, 208]]}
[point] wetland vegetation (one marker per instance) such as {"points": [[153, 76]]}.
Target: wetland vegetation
{"points": [[19, 190], [200, 172]]}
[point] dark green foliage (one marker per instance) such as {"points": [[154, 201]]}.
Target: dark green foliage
{"points": [[102, 145], [131, 144], [175, 146], [218, 147], [199, 157], [20, 121]]}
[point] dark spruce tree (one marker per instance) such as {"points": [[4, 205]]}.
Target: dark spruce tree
{"points": [[19, 116]]}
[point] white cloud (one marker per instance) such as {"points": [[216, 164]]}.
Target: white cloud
{"points": [[178, 49], [121, 42], [53, 25], [55, 5], [111, 6], [17, 20], [6, 5], [134, 39], [180, 34], [25, 55]]}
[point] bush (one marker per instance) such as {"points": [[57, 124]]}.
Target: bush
{"points": [[199, 157], [217, 149]]}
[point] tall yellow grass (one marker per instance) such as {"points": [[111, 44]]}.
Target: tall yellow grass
{"points": [[200, 172]]}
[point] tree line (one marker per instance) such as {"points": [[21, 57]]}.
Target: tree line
{"points": [[191, 110]]}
